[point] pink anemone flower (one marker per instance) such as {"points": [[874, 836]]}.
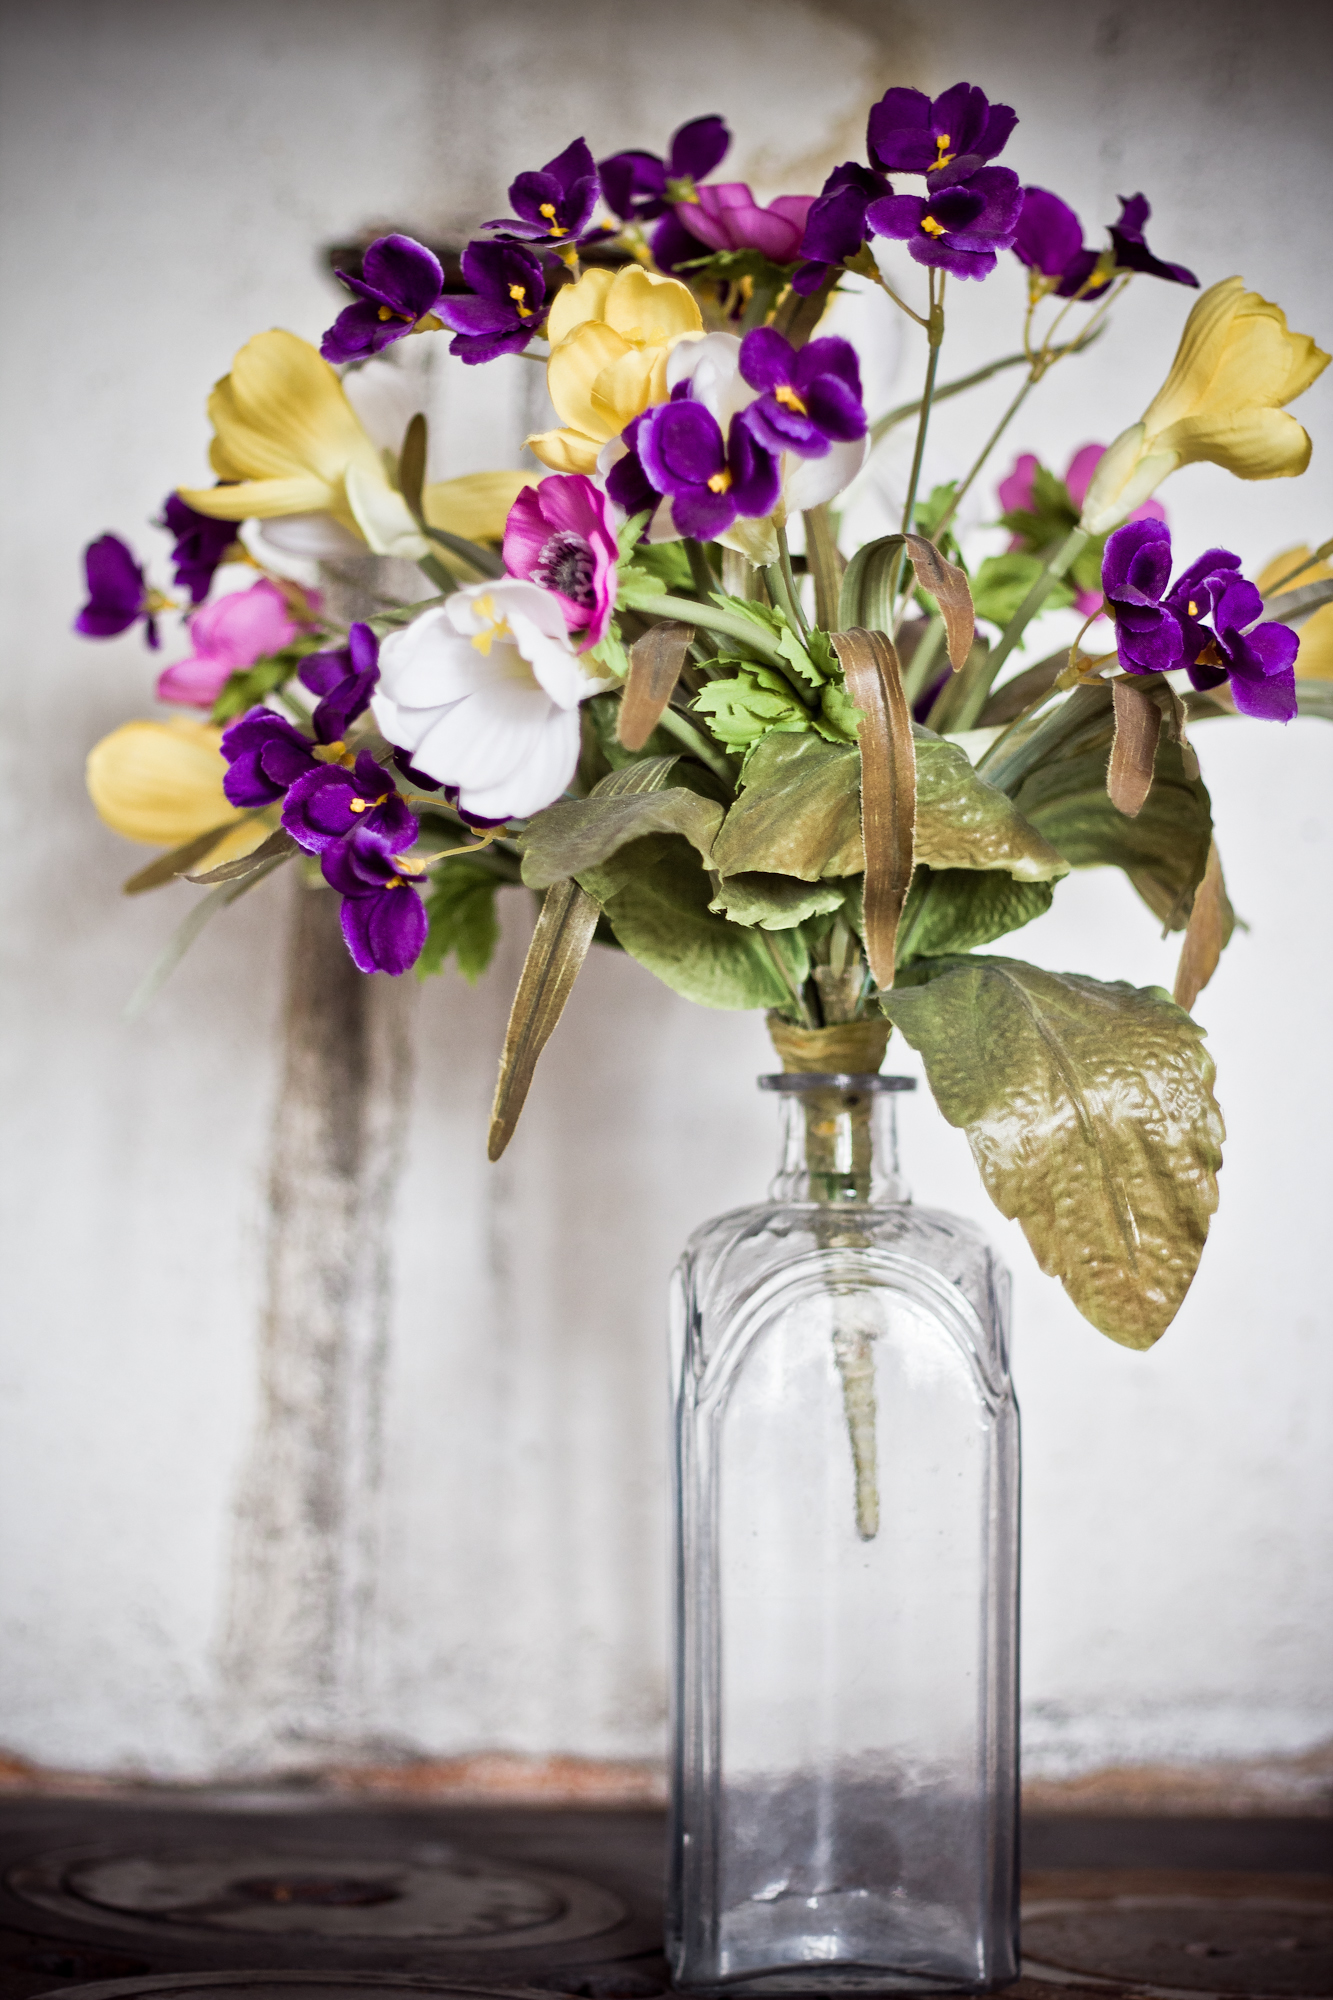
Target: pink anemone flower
{"points": [[726, 216], [229, 634], [560, 534], [1016, 492]]}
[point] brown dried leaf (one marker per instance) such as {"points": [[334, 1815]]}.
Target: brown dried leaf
{"points": [[1211, 923], [888, 787], [948, 585], [1138, 723], [555, 958], [655, 662]]}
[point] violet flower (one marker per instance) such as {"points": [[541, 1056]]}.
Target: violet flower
{"points": [[555, 205], [383, 918], [678, 450], [506, 306], [835, 228], [726, 216], [560, 534], [1132, 253], [327, 803], [958, 228], [117, 594], [810, 398], [345, 681], [228, 635], [641, 186], [1049, 240], [397, 293], [948, 139], [1136, 569], [266, 755], [1259, 662], [201, 543]]}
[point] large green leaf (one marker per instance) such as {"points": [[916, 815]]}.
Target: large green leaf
{"points": [[460, 907], [776, 902], [800, 814], [1090, 1113], [655, 894], [957, 909], [579, 834]]}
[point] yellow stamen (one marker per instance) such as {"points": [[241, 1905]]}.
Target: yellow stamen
{"points": [[942, 150], [518, 293], [368, 805], [1193, 609], [789, 400], [720, 482], [494, 628], [931, 227], [394, 882], [548, 210]]}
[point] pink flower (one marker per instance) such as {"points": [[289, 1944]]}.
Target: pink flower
{"points": [[1017, 493], [230, 633], [559, 534], [726, 216]]}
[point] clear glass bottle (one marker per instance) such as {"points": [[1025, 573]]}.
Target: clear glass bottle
{"points": [[845, 1740]]}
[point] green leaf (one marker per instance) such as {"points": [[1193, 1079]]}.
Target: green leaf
{"points": [[656, 896], [560, 943], [1315, 698], [958, 909], [963, 822], [609, 652], [460, 908], [1002, 582], [577, 835], [178, 861], [247, 688], [1090, 1114], [744, 706], [775, 902]]}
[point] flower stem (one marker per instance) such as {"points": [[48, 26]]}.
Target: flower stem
{"points": [[935, 335], [983, 455], [883, 425], [794, 605], [715, 618], [697, 744], [1068, 552]]}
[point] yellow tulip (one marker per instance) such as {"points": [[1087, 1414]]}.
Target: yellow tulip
{"points": [[610, 337], [161, 783], [1314, 662], [1237, 365]]}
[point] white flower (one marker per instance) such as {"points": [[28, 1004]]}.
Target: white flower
{"points": [[484, 694]]}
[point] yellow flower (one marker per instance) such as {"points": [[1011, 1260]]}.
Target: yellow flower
{"points": [[161, 783], [1238, 363], [476, 505], [610, 337], [1314, 662]]}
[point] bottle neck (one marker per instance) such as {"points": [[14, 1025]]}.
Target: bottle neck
{"points": [[839, 1139]]}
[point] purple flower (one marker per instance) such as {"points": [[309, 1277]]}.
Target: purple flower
{"points": [[835, 228], [117, 594], [1132, 253], [1259, 663], [383, 918], [640, 186], [560, 535], [810, 398], [958, 228], [506, 306], [726, 216], [327, 803], [344, 680], [672, 243], [947, 139], [1136, 569], [555, 205], [201, 543], [709, 481], [266, 755], [399, 289], [1049, 240]]}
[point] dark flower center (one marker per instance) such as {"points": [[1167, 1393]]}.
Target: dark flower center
{"points": [[566, 565]]}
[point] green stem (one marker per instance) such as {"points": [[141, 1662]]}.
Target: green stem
{"points": [[1068, 552], [795, 608], [983, 455], [715, 618], [700, 567], [899, 415], [935, 335], [697, 744]]}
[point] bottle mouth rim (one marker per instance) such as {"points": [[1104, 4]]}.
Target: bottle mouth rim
{"points": [[847, 1080]]}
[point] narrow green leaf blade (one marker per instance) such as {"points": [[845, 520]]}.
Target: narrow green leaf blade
{"points": [[555, 958]]}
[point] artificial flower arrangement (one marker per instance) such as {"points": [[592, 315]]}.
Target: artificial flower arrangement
{"points": [[797, 778]]}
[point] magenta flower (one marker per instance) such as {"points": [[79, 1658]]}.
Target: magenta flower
{"points": [[555, 205], [947, 139], [117, 594], [560, 534], [505, 307], [265, 755], [810, 398], [398, 290], [344, 681], [327, 803], [959, 228], [641, 186], [201, 543], [228, 635], [383, 918], [726, 216]]}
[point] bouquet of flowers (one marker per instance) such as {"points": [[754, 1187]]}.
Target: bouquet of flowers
{"points": [[649, 685]]}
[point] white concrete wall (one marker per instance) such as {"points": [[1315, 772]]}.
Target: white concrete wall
{"points": [[168, 176]]}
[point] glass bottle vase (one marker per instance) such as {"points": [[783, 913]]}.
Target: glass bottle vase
{"points": [[845, 1745]]}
